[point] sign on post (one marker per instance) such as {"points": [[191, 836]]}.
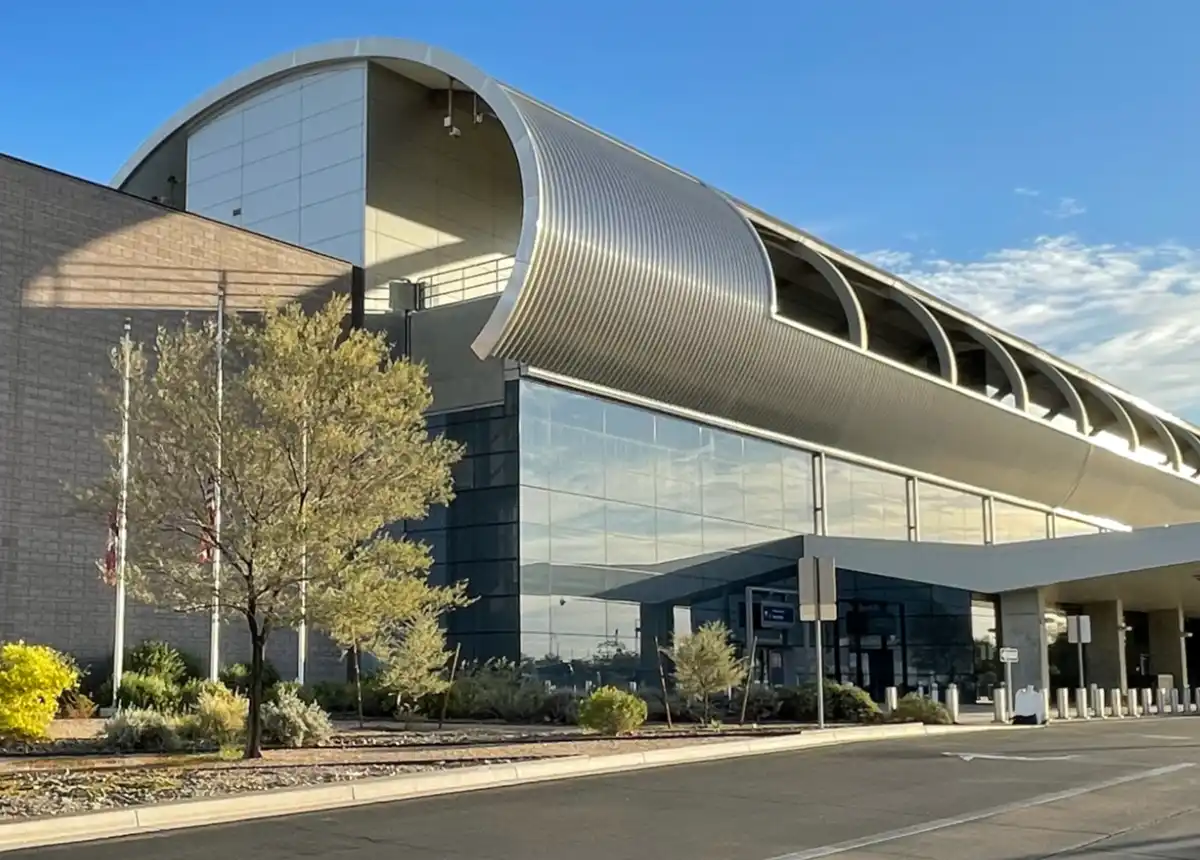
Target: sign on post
{"points": [[818, 603], [1008, 655], [1079, 629]]}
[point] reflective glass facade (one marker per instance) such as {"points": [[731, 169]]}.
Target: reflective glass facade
{"points": [[591, 530]]}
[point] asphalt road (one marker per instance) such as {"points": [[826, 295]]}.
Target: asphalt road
{"points": [[1100, 791]]}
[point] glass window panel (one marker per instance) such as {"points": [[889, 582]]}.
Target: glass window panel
{"points": [[721, 490], [799, 515], [865, 502], [576, 512], [535, 613], [679, 529], [535, 542], [578, 461], [628, 422], [723, 535], [722, 445], [535, 576], [535, 646], [677, 436], [762, 483], [1066, 527], [629, 471], [623, 620], [493, 578], [949, 516], [1012, 523], [622, 549], [632, 520], [568, 409], [535, 506], [570, 546], [677, 495], [578, 616], [537, 454]]}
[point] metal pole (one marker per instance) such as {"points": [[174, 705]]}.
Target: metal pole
{"points": [[820, 672], [214, 628], [1082, 680], [302, 631], [1008, 688], [122, 515]]}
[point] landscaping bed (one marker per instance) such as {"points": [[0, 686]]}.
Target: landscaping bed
{"points": [[37, 787]]}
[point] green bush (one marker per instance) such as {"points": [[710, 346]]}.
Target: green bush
{"points": [[291, 722], [163, 660], [189, 693], [495, 690], [681, 711], [220, 716], [143, 730], [74, 705], [761, 705], [32, 678], [341, 697], [561, 707], [236, 677], [152, 692], [844, 703], [612, 711], [915, 708]]}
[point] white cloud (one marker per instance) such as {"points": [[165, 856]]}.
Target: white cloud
{"points": [[1021, 191], [1068, 207], [1126, 313]]}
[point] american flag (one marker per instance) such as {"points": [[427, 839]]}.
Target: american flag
{"points": [[109, 564], [207, 547]]}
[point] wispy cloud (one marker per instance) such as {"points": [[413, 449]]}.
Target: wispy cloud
{"points": [[1067, 207], [1126, 313], [1021, 191]]}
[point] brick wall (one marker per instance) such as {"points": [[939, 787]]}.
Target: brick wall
{"points": [[76, 259]]}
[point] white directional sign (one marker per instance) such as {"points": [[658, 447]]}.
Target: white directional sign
{"points": [[1008, 655], [1079, 629], [818, 589]]}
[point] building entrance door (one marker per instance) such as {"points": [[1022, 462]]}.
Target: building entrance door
{"points": [[878, 671]]}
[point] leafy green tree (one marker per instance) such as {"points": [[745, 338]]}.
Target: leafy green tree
{"points": [[413, 660], [323, 445], [705, 663], [380, 598]]}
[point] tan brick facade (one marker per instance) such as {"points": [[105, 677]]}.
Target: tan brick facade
{"points": [[76, 259]]}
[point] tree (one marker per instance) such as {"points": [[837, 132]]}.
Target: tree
{"points": [[323, 445], [413, 658], [706, 663], [378, 597]]}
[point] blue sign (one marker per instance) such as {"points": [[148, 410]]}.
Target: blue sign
{"points": [[776, 615]]}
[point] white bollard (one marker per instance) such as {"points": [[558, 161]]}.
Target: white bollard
{"points": [[1098, 703], [1081, 703], [1093, 690], [1000, 704], [1175, 709], [891, 698], [1062, 695], [1115, 699], [952, 702], [1147, 701], [1160, 701], [1131, 703]]}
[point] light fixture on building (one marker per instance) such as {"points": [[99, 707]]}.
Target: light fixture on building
{"points": [[475, 111], [448, 120]]}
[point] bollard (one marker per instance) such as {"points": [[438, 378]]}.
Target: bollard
{"points": [[1131, 703], [1196, 696], [1098, 703], [952, 702], [1081, 703], [1093, 689], [1115, 698], [1147, 701], [891, 698], [1064, 704], [1175, 709], [1160, 701], [933, 691], [1000, 704]]}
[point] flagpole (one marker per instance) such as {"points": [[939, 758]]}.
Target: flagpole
{"points": [[302, 630], [122, 515], [214, 630]]}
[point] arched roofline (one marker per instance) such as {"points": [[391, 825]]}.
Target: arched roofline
{"points": [[1069, 392], [856, 321]]}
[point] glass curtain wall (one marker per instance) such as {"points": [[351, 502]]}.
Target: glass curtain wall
{"points": [[1067, 527]]}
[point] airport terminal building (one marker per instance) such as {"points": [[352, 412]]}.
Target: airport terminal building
{"points": [[669, 397]]}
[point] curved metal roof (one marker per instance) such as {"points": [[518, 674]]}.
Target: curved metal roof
{"points": [[634, 276]]}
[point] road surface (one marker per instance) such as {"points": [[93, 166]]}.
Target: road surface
{"points": [[1097, 791]]}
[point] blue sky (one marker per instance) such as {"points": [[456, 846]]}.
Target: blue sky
{"points": [[1033, 161]]}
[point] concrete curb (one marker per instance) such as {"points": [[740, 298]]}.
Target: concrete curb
{"points": [[36, 833]]}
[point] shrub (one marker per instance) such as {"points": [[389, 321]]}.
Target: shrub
{"points": [[152, 692], [291, 722], [142, 729], [844, 703], [32, 677], [612, 711], [762, 703], [561, 707], [220, 717], [706, 663], [915, 708], [237, 677], [163, 660], [74, 705], [189, 693], [494, 690]]}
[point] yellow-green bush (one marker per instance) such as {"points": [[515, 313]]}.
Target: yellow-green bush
{"points": [[32, 677], [612, 711], [221, 716]]}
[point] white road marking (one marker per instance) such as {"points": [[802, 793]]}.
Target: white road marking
{"points": [[1166, 737], [997, 757], [944, 823]]}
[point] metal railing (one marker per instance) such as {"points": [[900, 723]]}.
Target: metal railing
{"points": [[461, 283]]}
